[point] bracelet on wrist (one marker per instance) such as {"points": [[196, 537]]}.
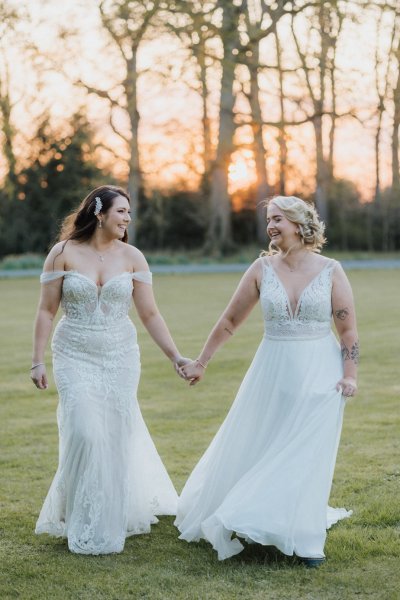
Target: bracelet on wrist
{"points": [[36, 365], [200, 363]]}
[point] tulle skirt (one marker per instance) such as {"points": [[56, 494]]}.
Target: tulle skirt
{"points": [[267, 474]]}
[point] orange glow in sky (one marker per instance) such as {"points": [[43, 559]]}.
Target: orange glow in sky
{"points": [[170, 109]]}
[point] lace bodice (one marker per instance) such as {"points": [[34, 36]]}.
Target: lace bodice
{"points": [[84, 302], [313, 313]]}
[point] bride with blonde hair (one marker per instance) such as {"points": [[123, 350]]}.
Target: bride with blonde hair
{"points": [[267, 474]]}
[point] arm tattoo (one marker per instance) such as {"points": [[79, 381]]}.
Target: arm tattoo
{"points": [[345, 352], [355, 353], [352, 354], [342, 313]]}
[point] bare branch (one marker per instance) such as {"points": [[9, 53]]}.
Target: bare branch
{"points": [[101, 93], [116, 130]]}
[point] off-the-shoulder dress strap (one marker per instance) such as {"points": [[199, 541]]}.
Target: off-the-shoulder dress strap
{"points": [[48, 276], [143, 276]]}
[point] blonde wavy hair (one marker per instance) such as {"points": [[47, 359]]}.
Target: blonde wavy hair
{"points": [[311, 228]]}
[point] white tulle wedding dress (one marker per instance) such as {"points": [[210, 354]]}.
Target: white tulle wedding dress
{"points": [[267, 474], [110, 481]]}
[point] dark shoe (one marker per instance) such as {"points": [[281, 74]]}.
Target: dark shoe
{"points": [[311, 563]]}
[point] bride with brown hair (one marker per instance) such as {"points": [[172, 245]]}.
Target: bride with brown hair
{"points": [[110, 482]]}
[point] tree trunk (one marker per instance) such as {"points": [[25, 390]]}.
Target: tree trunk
{"points": [[135, 174], [207, 146], [283, 153], [321, 192], [258, 146], [8, 132], [219, 235], [377, 155], [396, 127]]}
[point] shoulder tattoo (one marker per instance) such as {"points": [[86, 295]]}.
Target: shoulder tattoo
{"points": [[342, 313]]}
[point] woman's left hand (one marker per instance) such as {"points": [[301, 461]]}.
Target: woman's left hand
{"points": [[193, 372], [179, 362], [348, 386]]}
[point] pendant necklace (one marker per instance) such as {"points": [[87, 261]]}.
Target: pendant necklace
{"points": [[100, 256]]}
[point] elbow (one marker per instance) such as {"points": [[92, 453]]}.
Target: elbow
{"points": [[147, 316], [349, 332], [47, 313]]}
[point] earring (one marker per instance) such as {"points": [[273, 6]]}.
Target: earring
{"points": [[100, 224]]}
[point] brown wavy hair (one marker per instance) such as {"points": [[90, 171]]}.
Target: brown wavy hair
{"points": [[81, 224]]}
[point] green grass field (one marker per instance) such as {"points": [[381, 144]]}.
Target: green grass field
{"points": [[363, 552]]}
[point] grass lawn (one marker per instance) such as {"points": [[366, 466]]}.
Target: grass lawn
{"points": [[363, 552]]}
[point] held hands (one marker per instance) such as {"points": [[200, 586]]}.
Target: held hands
{"points": [[39, 377], [179, 362], [348, 386], [192, 372]]}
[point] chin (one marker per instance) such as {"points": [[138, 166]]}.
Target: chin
{"points": [[276, 243]]}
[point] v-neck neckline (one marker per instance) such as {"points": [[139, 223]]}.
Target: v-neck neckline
{"points": [[294, 314]]}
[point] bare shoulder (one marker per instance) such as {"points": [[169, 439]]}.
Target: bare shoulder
{"points": [[322, 261], [256, 267], [255, 271], [340, 280], [337, 267], [55, 260], [135, 257]]}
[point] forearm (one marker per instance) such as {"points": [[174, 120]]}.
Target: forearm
{"points": [[42, 330], [220, 334], [350, 352], [158, 330]]}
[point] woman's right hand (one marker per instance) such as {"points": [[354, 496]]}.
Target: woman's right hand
{"points": [[39, 377], [192, 372]]}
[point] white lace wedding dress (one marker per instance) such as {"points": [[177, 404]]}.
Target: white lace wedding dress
{"points": [[110, 481], [267, 474]]}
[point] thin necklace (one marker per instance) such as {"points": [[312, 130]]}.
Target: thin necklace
{"points": [[100, 256]]}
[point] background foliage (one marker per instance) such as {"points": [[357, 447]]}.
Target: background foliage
{"points": [[202, 110]]}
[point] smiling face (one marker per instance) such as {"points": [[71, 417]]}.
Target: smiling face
{"points": [[281, 231], [116, 220]]}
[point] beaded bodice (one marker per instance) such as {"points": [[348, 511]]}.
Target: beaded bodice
{"points": [[313, 313], [88, 304]]}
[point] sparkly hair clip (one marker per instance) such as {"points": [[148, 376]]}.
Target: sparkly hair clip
{"points": [[99, 206]]}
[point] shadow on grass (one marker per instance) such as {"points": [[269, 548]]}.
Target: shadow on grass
{"points": [[164, 547]]}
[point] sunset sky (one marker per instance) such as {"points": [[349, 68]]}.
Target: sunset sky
{"points": [[171, 129]]}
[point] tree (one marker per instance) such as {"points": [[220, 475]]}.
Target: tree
{"points": [[8, 20], [261, 20], [127, 22], [195, 32], [60, 174], [219, 235], [318, 69]]}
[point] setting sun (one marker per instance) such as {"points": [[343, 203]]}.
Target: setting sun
{"points": [[241, 174]]}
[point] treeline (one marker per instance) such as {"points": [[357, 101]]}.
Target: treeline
{"points": [[62, 170], [264, 78]]}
